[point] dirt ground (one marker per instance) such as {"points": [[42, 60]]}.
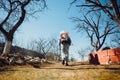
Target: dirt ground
{"points": [[57, 71]]}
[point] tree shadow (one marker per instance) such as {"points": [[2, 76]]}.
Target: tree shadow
{"points": [[6, 69], [115, 70]]}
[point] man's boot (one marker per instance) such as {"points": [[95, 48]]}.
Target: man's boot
{"points": [[63, 62], [66, 64]]}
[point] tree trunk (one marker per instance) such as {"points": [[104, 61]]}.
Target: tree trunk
{"points": [[7, 46], [118, 24]]}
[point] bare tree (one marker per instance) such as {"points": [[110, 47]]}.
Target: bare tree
{"points": [[115, 42], [43, 46], [72, 59], [96, 30], [14, 13], [85, 52], [82, 55], [32, 45], [47, 47], [55, 49], [110, 7], [1, 38]]}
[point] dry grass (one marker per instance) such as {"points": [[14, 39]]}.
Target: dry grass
{"points": [[56, 71]]}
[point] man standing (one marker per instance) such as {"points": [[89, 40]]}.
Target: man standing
{"points": [[64, 43]]}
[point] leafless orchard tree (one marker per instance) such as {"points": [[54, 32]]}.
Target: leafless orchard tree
{"points": [[14, 13], [47, 47], [82, 55], [41, 45], [110, 7], [31, 45], [96, 30], [84, 52], [55, 49]]}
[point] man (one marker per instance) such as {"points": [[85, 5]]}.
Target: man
{"points": [[64, 43]]}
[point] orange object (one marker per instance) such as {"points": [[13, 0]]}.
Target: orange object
{"points": [[104, 60], [117, 51], [102, 53], [108, 56], [114, 59], [111, 52]]}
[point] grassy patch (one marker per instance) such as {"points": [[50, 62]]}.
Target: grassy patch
{"points": [[59, 72]]}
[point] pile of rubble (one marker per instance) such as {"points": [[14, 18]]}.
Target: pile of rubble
{"points": [[21, 56]]}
